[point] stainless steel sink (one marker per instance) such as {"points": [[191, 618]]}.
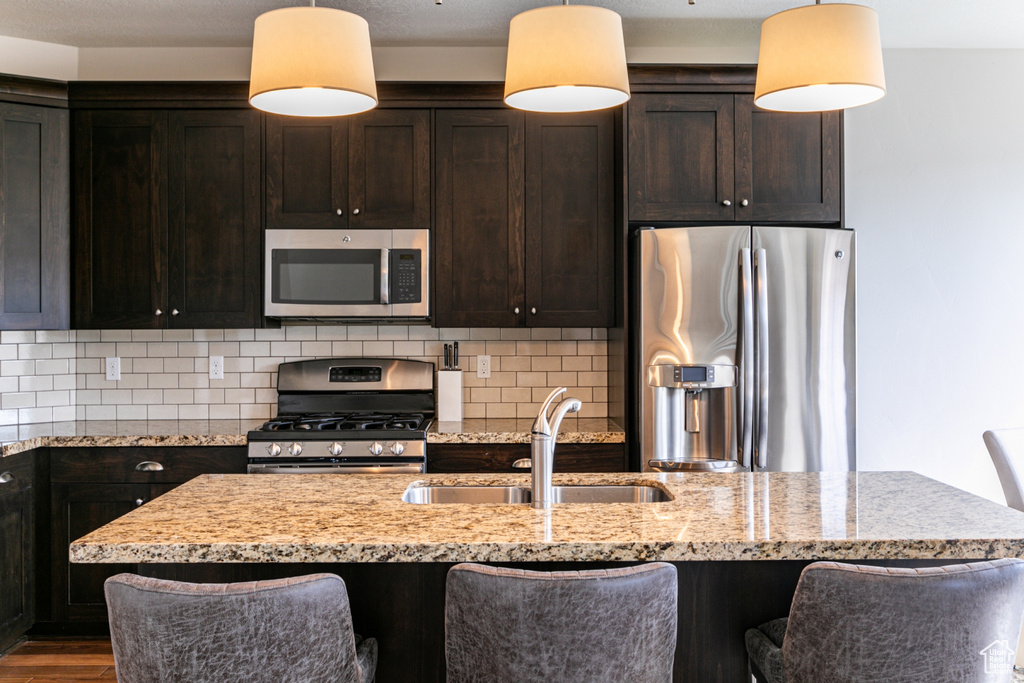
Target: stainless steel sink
{"points": [[511, 495]]}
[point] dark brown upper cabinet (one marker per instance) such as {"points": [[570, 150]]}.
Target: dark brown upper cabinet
{"points": [[716, 157], [167, 228], [523, 219], [369, 171], [35, 218]]}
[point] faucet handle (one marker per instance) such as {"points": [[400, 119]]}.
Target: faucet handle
{"points": [[540, 425]]}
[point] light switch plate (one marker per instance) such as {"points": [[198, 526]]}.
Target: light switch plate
{"points": [[483, 367], [216, 367], [114, 368]]}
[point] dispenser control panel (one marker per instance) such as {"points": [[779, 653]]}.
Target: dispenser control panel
{"points": [[692, 377]]}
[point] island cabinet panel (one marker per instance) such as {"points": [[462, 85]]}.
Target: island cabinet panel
{"points": [[93, 486], [524, 223], [498, 457], [35, 218], [368, 171], [716, 157], [167, 228], [17, 547]]}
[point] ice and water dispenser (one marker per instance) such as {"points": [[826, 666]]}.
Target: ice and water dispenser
{"points": [[694, 417]]}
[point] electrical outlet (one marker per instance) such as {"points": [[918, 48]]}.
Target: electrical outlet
{"points": [[114, 368], [483, 366], [216, 367]]}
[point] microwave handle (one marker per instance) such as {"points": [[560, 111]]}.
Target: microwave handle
{"points": [[385, 280]]}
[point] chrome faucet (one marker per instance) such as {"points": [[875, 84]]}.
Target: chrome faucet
{"points": [[542, 446]]}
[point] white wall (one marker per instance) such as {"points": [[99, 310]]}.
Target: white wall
{"points": [[935, 191]]}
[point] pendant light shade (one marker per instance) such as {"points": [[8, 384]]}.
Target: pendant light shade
{"points": [[566, 58], [312, 61], [820, 58]]}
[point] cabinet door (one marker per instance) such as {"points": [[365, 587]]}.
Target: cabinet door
{"points": [[570, 224], [120, 219], [306, 172], [788, 166], [76, 510], [479, 227], [214, 219], [681, 157], [389, 169], [35, 221], [17, 552]]}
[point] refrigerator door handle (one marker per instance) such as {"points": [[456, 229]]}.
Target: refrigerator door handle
{"points": [[746, 358], [761, 269]]}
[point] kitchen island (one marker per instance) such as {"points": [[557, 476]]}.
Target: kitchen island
{"points": [[739, 542]]}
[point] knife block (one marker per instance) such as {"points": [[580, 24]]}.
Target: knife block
{"points": [[449, 395]]}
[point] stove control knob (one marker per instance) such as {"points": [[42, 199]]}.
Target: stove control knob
{"points": [[295, 448], [397, 448], [274, 449], [376, 448], [335, 449]]}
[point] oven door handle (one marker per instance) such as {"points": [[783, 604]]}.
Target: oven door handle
{"points": [[385, 278], [339, 469]]}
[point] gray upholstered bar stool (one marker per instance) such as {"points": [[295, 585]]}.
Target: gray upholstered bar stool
{"points": [[297, 629], [855, 623], [599, 626]]}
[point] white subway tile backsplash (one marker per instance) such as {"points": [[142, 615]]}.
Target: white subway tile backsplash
{"points": [[59, 374], [17, 337]]}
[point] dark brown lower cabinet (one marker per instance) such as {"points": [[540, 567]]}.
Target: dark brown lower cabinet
{"points": [[94, 486], [498, 457], [17, 547]]}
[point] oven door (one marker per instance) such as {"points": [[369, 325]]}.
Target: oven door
{"points": [[346, 273]]}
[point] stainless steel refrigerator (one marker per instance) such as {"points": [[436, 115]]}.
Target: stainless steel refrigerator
{"points": [[747, 342]]}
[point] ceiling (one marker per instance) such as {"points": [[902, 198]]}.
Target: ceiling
{"points": [[647, 23]]}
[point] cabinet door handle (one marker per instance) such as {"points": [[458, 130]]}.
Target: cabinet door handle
{"points": [[149, 466], [516, 310], [533, 311], [340, 212], [139, 502], [355, 212], [175, 311], [6, 478], [522, 464], [744, 202], [159, 312], [726, 202]]}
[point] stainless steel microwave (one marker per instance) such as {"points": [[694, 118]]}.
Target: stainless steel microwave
{"points": [[356, 274]]}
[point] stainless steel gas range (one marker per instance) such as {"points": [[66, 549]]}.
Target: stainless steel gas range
{"points": [[347, 416]]}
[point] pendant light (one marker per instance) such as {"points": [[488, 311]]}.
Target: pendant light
{"points": [[312, 61], [820, 58], [566, 58]]}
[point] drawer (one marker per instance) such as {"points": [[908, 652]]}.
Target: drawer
{"points": [[21, 468], [126, 464]]}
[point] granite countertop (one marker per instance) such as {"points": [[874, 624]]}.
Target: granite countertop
{"points": [[361, 518], [17, 439]]}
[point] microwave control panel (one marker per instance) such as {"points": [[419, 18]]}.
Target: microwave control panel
{"points": [[406, 267]]}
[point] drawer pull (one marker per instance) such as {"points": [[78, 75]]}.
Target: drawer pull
{"points": [[6, 478], [139, 502], [522, 464], [149, 466]]}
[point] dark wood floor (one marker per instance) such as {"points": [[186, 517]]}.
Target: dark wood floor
{"points": [[50, 661]]}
